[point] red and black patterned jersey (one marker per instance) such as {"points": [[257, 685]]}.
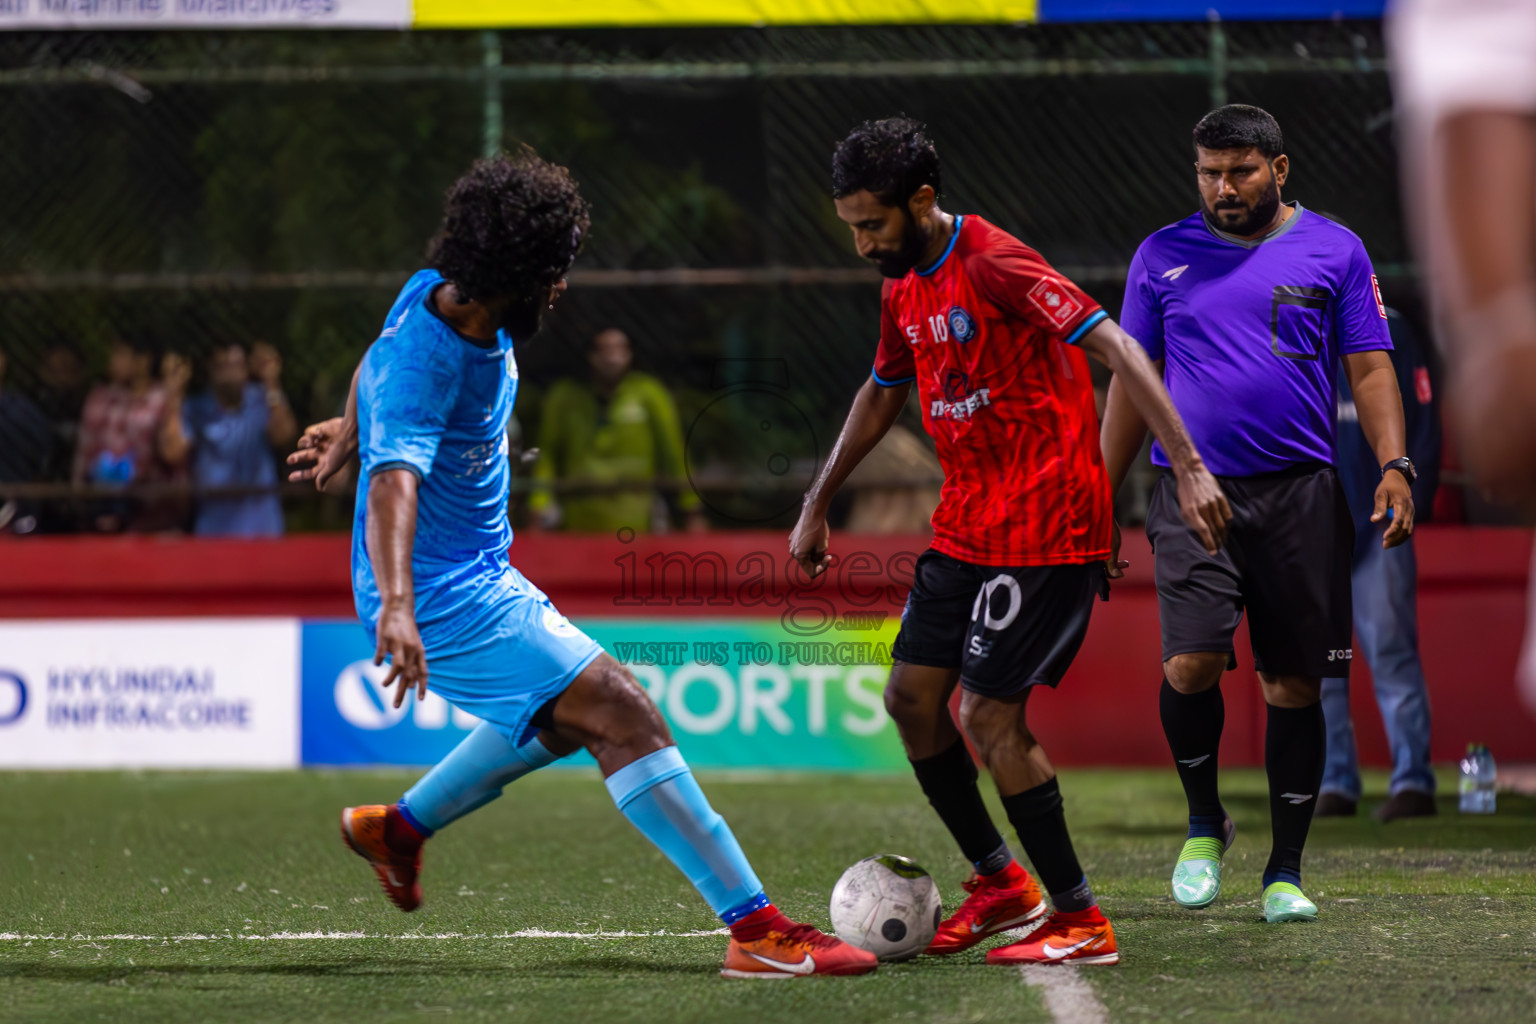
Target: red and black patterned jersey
{"points": [[989, 334]]}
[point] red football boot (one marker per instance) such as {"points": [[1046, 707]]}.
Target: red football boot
{"points": [[1084, 937], [1008, 899], [378, 834], [773, 946]]}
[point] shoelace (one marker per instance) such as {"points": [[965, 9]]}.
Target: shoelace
{"points": [[811, 936], [972, 884]]}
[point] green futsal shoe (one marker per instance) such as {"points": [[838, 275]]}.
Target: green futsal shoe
{"points": [[1284, 902], [1197, 875]]}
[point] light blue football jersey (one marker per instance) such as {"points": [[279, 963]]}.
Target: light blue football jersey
{"points": [[437, 403]]}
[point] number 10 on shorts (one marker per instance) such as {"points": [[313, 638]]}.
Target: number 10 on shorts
{"points": [[982, 611]]}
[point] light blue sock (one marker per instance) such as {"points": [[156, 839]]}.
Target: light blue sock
{"points": [[471, 776], [660, 797]]}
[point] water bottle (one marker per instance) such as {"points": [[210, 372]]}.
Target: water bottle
{"points": [[1478, 775]]}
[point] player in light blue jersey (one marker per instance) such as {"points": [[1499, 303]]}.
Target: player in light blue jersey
{"points": [[433, 581]]}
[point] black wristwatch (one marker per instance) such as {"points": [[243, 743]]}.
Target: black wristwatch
{"points": [[1404, 466]]}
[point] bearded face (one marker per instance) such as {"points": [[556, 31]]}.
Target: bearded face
{"points": [[1238, 216], [896, 263]]}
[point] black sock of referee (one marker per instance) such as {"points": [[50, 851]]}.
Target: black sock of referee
{"points": [[1295, 742], [949, 783], [1037, 817], [1193, 723]]}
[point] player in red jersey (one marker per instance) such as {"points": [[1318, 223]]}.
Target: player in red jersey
{"points": [[996, 341]]}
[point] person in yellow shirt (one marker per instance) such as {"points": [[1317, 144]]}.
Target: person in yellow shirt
{"points": [[619, 426]]}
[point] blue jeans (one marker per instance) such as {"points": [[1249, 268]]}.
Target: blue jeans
{"points": [[1387, 625]]}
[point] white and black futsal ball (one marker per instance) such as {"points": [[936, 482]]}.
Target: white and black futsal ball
{"points": [[888, 905]]}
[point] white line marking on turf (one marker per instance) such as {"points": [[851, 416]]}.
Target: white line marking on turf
{"points": [[1067, 995], [525, 933]]}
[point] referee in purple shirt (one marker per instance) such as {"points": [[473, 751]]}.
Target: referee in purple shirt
{"points": [[1249, 306]]}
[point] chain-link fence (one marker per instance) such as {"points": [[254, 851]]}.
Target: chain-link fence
{"points": [[213, 187]]}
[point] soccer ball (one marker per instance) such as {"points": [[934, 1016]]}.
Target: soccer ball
{"points": [[887, 905]]}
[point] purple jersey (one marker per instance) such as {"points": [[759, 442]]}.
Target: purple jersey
{"points": [[1252, 332]]}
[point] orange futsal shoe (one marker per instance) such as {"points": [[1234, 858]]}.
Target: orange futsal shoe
{"points": [[392, 848], [790, 950], [996, 903], [1084, 937]]}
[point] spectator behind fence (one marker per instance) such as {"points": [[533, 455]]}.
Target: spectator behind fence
{"points": [[24, 438], [1384, 585], [232, 433], [118, 426], [619, 426], [60, 394]]}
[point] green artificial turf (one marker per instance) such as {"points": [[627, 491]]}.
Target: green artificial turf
{"points": [[1420, 920]]}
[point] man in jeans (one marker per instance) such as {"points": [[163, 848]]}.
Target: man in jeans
{"points": [[231, 433], [1386, 622]]}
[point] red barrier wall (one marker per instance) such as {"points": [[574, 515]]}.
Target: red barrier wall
{"points": [[1472, 593]]}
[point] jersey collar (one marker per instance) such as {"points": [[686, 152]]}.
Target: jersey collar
{"points": [[953, 238], [1254, 243], [426, 302]]}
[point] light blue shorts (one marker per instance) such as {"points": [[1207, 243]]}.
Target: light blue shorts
{"points": [[505, 672]]}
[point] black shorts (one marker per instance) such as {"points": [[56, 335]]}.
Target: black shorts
{"points": [[1006, 629], [1286, 561]]}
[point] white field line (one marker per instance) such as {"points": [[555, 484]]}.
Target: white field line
{"points": [[1068, 997], [525, 933]]}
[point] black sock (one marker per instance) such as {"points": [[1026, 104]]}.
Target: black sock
{"points": [[1294, 745], [949, 783], [1193, 722], [1037, 817]]}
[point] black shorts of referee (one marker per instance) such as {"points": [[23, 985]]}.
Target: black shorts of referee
{"points": [[1286, 563]]}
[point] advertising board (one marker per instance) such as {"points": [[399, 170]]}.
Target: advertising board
{"points": [[738, 693], [149, 693]]}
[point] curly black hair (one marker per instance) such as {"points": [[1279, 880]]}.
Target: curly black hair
{"points": [[1240, 126], [512, 227], [891, 158]]}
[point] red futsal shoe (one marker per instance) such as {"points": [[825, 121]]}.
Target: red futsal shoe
{"points": [[380, 836], [1084, 937], [997, 903], [789, 950]]}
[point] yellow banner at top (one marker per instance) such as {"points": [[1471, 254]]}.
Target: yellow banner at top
{"points": [[635, 13]]}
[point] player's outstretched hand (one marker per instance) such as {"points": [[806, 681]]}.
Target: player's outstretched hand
{"points": [[1203, 507], [323, 452], [1394, 493], [808, 544], [1114, 565], [400, 640]]}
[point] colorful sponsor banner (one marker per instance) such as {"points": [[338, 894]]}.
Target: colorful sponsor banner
{"points": [[738, 693], [149, 693], [19, 15], [1206, 10], [347, 717], [513, 14], [601, 13]]}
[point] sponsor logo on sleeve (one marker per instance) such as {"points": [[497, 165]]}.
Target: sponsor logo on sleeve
{"points": [[1381, 307], [558, 624], [1052, 298]]}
